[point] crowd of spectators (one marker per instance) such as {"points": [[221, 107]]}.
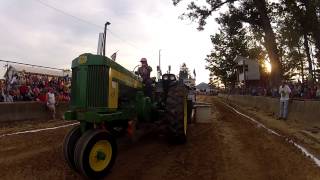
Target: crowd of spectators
{"points": [[298, 91], [34, 87]]}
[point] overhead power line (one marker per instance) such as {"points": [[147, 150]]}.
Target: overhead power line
{"points": [[87, 22], [116, 36], [68, 14], [15, 62]]}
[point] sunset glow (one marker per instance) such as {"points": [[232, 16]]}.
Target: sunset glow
{"points": [[268, 66]]}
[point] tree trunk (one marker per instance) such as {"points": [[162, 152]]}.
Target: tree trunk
{"points": [[270, 43], [307, 49], [301, 64]]}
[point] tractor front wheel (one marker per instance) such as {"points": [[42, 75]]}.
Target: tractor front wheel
{"points": [[69, 145], [95, 153]]}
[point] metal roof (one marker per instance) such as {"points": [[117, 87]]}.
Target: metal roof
{"points": [[38, 70]]}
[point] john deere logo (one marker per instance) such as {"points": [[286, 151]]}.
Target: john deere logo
{"points": [[82, 59]]}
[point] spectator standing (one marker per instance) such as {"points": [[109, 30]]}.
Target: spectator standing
{"points": [[284, 92], [296, 91], [318, 92], [23, 91], [274, 92], [51, 102], [29, 95], [36, 91], [16, 94], [265, 92], [42, 97], [14, 80], [6, 96], [2, 87], [23, 80]]}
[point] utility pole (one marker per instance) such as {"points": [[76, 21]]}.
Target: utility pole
{"points": [[244, 74], [159, 58], [159, 68], [105, 37]]}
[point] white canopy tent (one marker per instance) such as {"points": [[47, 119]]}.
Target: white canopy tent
{"points": [[17, 68]]}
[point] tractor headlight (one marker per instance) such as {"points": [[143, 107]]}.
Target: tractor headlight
{"points": [[172, 78], [165, 78]]}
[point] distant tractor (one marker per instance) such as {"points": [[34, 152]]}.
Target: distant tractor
{"points": [[108, 101]]}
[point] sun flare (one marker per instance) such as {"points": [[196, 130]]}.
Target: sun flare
{"points": [[268, 66]]}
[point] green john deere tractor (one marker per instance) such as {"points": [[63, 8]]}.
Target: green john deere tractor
{"points": [[108, 101]]}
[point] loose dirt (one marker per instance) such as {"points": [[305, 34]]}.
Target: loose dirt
{"points": [[230, 147]]}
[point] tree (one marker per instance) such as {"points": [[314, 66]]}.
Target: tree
{"points": [[214, 81], [312, 6], [227, 44], [294, 34], [254, 12], [289, 32]]}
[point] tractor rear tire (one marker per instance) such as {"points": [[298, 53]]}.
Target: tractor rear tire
{"points": [[69, 145], [177, 115], [190, 109], [95, 153]]}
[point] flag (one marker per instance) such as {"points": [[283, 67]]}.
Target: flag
{"points": [[114, 56], [194, 72]]}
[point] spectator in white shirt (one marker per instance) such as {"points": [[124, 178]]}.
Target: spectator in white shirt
{"points": [[51, 102], [284, 92]]}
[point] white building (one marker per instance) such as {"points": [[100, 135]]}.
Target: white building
{"points": [[247, 69]]}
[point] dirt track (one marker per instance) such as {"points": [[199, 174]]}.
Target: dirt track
{"points": [[231, 147]]}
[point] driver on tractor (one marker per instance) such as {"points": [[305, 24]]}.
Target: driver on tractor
{"points": [[144, 71]]}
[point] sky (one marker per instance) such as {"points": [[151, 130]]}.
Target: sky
{"points": [[34, 33]]}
